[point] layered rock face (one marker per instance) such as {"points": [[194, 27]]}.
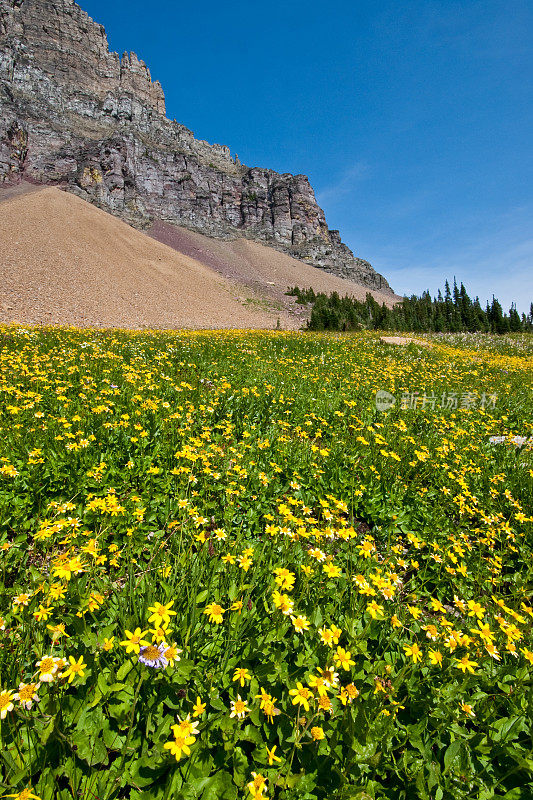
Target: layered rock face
{"points": [[75, 115]]}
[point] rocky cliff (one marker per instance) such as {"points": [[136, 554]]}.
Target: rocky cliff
{"points": [[75, 115]]}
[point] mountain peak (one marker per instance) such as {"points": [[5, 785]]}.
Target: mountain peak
{"points": [[76, 115]]}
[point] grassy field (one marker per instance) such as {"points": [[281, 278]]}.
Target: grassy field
{"points": [[229, 572]]}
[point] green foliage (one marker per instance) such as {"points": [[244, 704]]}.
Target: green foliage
{"points": [[417, 314], [231, 468]]}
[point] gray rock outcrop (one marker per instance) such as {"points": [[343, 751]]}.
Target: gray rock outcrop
{"points": [[75, 115]]}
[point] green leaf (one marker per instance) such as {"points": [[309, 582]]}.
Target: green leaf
{"points": [[145, 772], [124, 670], [364, 751], [113, 740], [240, 767], [201, 766], [184, 668], [219, 787], [452, 754], [251, 734], [91, 721], [505, 726], [217, 704], [91, 750], [47, 732], [316, 617]]}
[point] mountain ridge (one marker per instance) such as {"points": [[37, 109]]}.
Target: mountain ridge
{"points": [[76, 115]]}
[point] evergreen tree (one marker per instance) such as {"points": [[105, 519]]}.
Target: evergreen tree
{"points": [[515, 323], [451, 312], [448, 307], [482, 323], [468, 316], [456, 296], [497, 324]]}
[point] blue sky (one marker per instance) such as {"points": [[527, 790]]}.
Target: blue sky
{"points": [[413, 120]]}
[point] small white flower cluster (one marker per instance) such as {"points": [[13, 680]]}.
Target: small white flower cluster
{"points": [[518, 441]]}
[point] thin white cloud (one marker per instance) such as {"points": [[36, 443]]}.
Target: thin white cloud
{"points": [[506, 272], [345, 184], [490, 259]]}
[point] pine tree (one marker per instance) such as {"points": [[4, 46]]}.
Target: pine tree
{"points": [[515, 323], [456, 323], [497, 324], [482, 323], [448, 307], [453, 313], [468, 318]]}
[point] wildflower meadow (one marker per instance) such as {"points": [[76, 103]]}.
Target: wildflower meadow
{"points": [[229, 572]]}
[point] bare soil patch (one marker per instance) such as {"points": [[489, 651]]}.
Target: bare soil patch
{"points": [[64, 261]]}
